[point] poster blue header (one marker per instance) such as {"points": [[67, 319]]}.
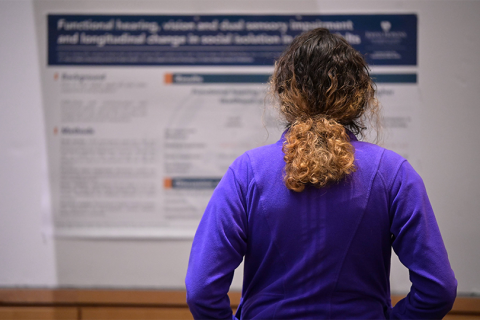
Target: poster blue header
{"points": [[189, 40]]}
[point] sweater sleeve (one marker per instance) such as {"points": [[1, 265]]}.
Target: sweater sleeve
{"points": [[417, 241], [218, 248]]}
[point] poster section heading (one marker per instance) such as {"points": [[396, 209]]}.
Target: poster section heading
{"points": [[187, 40], [222, 78]]}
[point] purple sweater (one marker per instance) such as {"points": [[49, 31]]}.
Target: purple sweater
{"points": [[321, 253]]}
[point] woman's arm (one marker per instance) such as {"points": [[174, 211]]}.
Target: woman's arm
{"points": [[218, 248], [417, 241]]}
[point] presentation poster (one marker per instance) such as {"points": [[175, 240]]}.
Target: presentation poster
{"points": [[144, 113]]}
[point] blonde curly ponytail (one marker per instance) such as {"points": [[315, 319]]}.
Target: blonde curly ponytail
{"points": [[317, 152]]}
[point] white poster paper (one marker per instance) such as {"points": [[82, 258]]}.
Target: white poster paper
{"points": [[144, 113]]}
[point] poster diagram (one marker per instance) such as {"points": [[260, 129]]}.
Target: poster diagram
{"points": [[144, 113]]}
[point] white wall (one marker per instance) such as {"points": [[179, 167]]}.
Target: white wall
{"points": [[27, 257], [449, 79]]}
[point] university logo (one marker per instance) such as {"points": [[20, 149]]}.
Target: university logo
{"points": [[386, 25]]}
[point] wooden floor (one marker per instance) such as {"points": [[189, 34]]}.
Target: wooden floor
{"points": [[74, 304]]}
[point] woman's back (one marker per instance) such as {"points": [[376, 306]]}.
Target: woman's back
{"points": [[325, 253], [316, 249]]}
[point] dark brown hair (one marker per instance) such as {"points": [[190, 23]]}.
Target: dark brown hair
{"points": [[323, 87]]}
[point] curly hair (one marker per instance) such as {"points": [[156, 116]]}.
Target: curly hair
{"points": [[324, 88]]}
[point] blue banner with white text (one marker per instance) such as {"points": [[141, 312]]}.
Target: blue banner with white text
{"points": [[188, 40]]}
